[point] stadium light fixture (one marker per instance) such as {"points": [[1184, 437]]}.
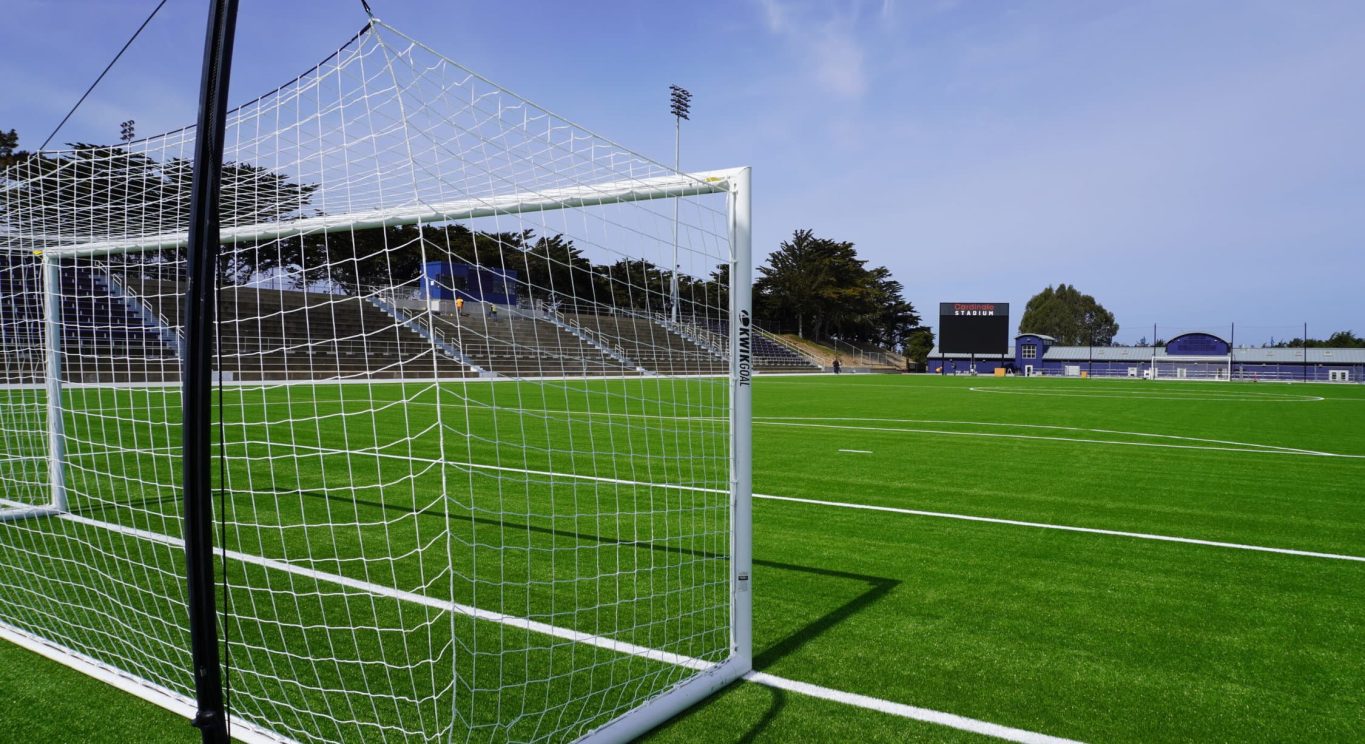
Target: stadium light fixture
{"points": [[680, 105], [126, 133]]}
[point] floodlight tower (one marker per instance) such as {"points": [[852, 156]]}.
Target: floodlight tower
{"points": [[680, 102], [126, 131]]}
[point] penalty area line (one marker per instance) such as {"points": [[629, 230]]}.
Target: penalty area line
{"points": [[1063, 528]]}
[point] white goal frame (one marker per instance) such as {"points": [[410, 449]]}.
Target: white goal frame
{"points": [[734, 183], [56, 434], [1222, 365]]}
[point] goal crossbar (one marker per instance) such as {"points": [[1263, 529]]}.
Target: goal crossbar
{"points": [[612, 192]]}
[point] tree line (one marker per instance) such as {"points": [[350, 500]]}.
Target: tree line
{"points": [[1338, 340], [821, 289], [819, 285], [94, 191]]}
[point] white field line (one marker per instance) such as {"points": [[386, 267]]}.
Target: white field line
{"points": [[1172, 394], [1255, 449], [1238, 397], [142, 689], [906, 711], [857, 452], [948, 515], [1047, 427], [779, 420], [1063, 528], [862, 701], [385, 591], [870, 507]]}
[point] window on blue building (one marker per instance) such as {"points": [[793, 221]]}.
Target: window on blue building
{"points": [[1030, 351]]}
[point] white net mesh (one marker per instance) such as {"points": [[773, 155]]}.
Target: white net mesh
{"points": [[474, 478]]}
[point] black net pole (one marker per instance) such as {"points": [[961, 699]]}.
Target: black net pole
{"points": [[1305, 352], [197, 372]]}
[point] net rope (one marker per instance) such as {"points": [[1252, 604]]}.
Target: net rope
{"points": [[475, 478]]}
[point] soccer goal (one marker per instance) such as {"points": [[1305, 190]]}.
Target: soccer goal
{"points": [[1193, 367], [480, 472]]}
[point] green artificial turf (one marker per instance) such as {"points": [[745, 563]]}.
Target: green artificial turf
{"points": [[1087, 636]]}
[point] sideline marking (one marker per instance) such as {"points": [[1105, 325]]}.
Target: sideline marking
{"points": [[1236, 397], [1256, 449], [1064, 528], [902, 710], [892, 509], [1049, 427], [857, 452]]}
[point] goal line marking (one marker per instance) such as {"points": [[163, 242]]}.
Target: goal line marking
{"points": [[142, 689], [901, 710]]}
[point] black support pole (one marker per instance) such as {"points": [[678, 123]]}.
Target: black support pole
{"points": [[197, 372], [1305, 352], [1232, 350]]}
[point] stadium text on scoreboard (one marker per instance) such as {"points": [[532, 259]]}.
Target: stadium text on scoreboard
{"points": [[964, 308], [974, 327]]}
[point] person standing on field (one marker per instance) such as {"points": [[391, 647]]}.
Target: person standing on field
{"points": [[837, 366]]}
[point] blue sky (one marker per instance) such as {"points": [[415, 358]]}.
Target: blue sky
{"points": [[1189, 164]]}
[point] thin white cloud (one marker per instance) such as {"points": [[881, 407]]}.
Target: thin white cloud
{"points": [[826, 41], [840, 64]]}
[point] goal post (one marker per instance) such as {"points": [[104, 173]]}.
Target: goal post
{"points": [[1205, 367], [31, 407], [471, 476]]}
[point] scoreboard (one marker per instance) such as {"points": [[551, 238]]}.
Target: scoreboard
{"points": [[974, 328]]}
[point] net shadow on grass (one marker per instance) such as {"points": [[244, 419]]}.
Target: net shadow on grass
{"points": [[92, 510], [877, 588]]}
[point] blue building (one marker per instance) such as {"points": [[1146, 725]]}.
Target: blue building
{"points": [[1199, 355]]}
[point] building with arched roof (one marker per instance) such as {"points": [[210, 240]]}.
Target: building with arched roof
{"points": [[1197, 355]]}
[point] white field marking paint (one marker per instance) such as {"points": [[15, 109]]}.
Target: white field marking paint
{"points": [[906, 711], [140, 688], [857, 452], [392, 593], [848, 698], [1112, 442], [776, 420], [1250, 446], [1247, 397], [1269, 447], [893, 509], [1063, 528]]}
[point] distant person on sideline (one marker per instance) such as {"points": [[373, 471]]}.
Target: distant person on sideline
{"points": [[837, 367], [459, 306]]}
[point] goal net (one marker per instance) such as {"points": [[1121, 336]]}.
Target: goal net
{"points": [[481, 473], [1194, 367]]}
